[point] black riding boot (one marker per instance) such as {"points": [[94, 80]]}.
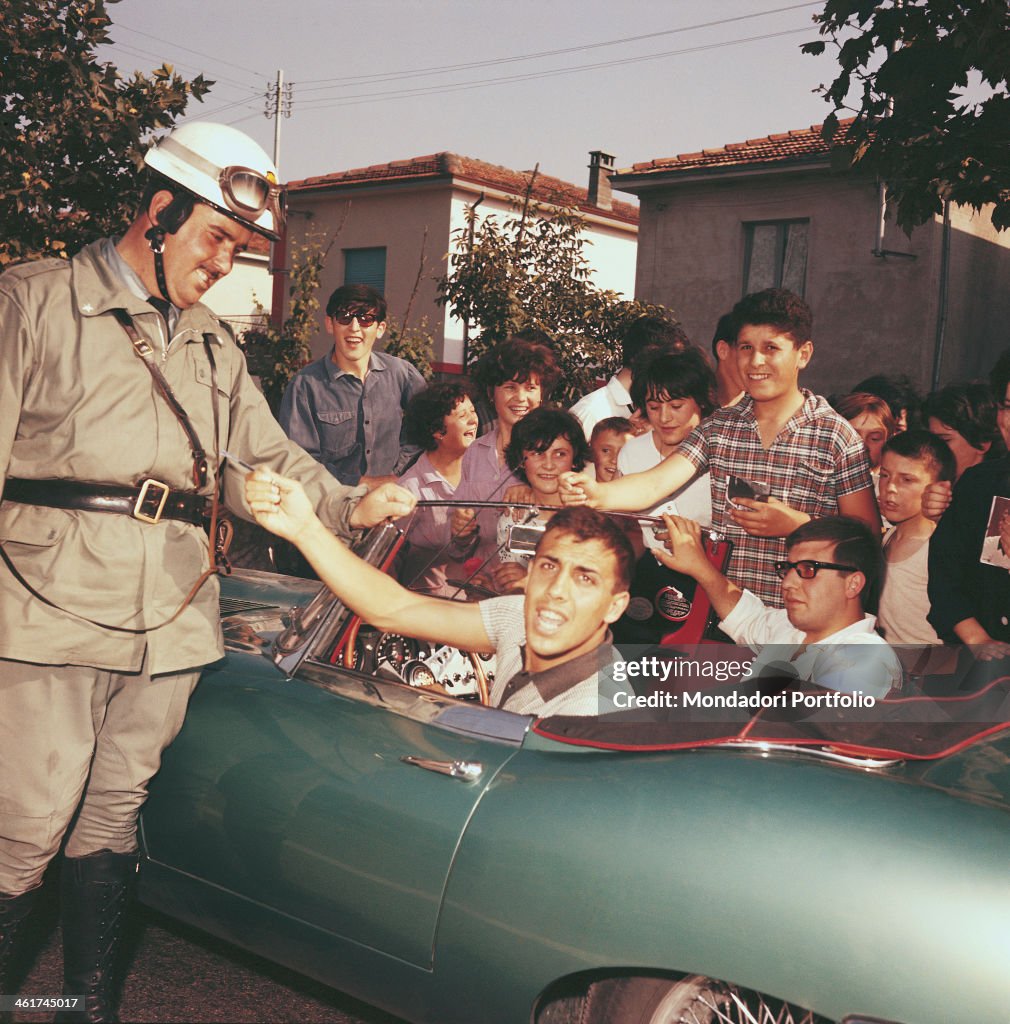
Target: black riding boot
{"points": [[13, 911], [93, 895]]}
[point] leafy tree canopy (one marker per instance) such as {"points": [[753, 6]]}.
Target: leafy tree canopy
{"points": [[530, 271], [909, 63], [71, 127]]}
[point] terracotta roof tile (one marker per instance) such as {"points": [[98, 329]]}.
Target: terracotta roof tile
{"points": [[797, 146], [450, 165]]}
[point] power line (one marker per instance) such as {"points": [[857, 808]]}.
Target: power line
{"points": [[322, 103], [245, 102], [179, 46], [182, 65], [378, 78]]}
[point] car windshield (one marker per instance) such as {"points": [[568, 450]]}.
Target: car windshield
{"points": [[683, 688]]}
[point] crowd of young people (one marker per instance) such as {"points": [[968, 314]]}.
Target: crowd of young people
{"points": [[758, 463]]}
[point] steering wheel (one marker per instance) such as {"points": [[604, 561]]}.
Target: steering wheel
{"points": [[418, 674]]}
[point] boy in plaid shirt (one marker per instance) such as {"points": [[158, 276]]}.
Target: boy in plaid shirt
{"points": [[811, 462]]}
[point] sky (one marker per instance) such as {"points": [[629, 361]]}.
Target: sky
{"points": [[515, 83]]}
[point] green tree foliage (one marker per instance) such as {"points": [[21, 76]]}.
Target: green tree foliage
{"points": [[415, 344], [909, 63], [530, 271], [275, 354], [71, 127]]}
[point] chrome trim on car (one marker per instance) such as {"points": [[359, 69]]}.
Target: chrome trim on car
{"points": [[765, 748], [465, 771]]}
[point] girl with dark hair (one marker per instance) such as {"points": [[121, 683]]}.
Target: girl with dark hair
{"points": [[516, 375], [674, 391], [442, 419], [964, 416], [544, 444]]}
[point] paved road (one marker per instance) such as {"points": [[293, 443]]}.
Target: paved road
{"points": [[181, 974]]}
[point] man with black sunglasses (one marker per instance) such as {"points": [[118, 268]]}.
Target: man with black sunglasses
{"points": [[346, 409], [831, 581]]}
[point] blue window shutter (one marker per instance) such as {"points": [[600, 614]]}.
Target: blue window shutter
{"points": [[366, 266]]}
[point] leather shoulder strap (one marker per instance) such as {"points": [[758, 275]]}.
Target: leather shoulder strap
{"points": [[146, 354]]}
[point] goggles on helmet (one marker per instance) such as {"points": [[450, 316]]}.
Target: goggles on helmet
{"points": [[249, 192], [246, 192]]}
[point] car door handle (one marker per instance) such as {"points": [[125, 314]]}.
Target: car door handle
{"points": [[466, 771]]}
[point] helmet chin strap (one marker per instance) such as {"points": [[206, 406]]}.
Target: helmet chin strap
{"points": [[156, 240]]}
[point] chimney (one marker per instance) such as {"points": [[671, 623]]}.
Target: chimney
{"points": [[601, 166]]}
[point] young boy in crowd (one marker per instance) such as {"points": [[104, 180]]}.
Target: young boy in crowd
{"points": [[910, 462], [808, 461], [608, 438]]}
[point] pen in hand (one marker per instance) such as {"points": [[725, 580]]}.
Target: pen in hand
{"points": [[224, 454]]}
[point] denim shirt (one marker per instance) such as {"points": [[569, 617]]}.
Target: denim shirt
{"points": [[353, 427]]}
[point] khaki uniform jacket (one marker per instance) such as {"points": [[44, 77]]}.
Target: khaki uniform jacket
{"points": [[77, 403]]}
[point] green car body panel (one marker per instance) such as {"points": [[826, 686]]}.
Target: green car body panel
{"points": [[285, 820]]}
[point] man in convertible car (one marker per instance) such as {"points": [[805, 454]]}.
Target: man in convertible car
{"points": [[117, 387], [830, 583], [551, 642]]}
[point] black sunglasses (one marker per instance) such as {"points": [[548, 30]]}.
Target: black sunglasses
{"points": [[344, 318], [807, 569]]}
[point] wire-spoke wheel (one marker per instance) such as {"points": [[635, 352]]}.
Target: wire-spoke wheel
{"points": [[692, 1000]]}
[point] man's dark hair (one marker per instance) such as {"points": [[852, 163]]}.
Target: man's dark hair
{"points": [[178, 211], [967, 408], [999, 376], [783, 310], [584, 524], [855, 544], [356, 298], [665, 375], [426, 411], [926, 448], [897, 392], [651, 331], [616, 424], [538, 430], [723, 332], [518, 360]]}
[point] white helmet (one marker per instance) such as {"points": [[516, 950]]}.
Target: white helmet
{"points": [[225, 168]]}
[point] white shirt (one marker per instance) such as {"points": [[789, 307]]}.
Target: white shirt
{"points": [[853, 660], [693, 500], [611, 400]]}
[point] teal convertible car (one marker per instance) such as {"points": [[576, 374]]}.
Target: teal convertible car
{"points": [[342, 802]]}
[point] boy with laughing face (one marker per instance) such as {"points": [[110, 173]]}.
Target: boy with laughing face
{"points": [[813, 461], [606, 442]]}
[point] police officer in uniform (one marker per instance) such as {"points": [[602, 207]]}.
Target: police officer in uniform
{"points": [[118, 389]]}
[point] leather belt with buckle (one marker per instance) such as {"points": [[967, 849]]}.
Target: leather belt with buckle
{"points": [[150, 501]]}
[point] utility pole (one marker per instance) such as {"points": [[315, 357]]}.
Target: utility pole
{"points": [[278, 102]]}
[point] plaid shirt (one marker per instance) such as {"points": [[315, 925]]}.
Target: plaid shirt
{"points": [[816, 457]]}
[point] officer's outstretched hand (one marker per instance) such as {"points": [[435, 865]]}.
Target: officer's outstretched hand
{"points": [[387, 501], [279, 505]]}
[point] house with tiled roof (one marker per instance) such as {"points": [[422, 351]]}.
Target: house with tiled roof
{"points": [[776, 211], [392, 224]]}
